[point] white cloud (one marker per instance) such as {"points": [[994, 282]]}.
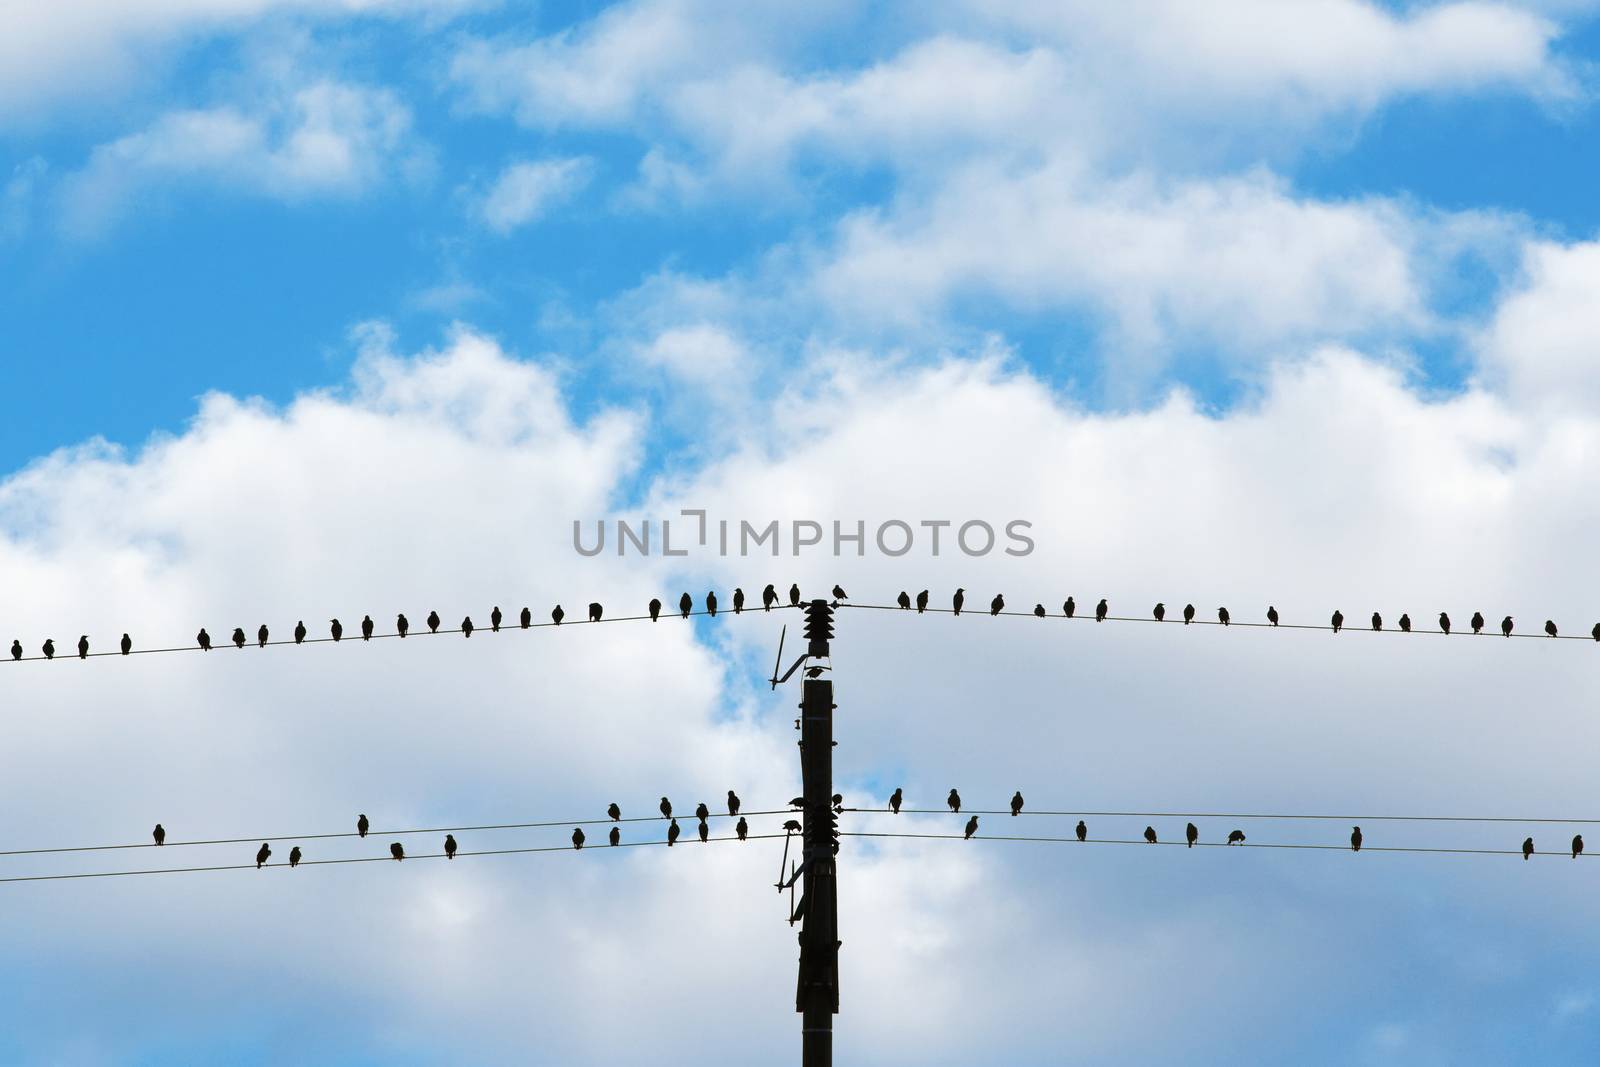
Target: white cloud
{"points": [[525, 191], [1541, 343]]}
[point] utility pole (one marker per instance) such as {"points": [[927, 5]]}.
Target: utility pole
{"points": [[817, 993]]}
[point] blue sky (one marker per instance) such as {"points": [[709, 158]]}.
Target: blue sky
{"points": [[1260, 300]]}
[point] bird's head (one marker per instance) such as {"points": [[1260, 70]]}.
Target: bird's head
{"points": [[961, 590]]}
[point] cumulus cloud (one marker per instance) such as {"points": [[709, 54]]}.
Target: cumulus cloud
{"points": [[526, 190], [1541, 342]]}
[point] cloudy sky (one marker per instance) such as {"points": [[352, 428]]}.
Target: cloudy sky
{"points": [[319, 308]]}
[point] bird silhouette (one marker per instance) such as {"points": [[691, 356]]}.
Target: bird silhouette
{"points": [[494, 619], [957, 600], [577, 837], [839, 593], [666, 808], [294, 856], [83, 646], [922, 604], [614, 811], [333, 628], [711, 604], [1100, 610], [1272, 615], [1355, 838], [1505, 625], [433, 622], [1527, 847], [972, 828], [769, 597], [1222, 616], [794, 595], [1236, 837], [1188, 614], [401, 624], [1038, 611], [1577, 845], [49, 647], [738, 600], [127, 644], [672, 833], [262, 854], [997, 605], [954, 800], [557, 614], [1338, 621], [685, 605], [655, 609], [1082, 830], [1150, 834], [1550, 627], [160, 834], [466, 626], [1160, 612], [741, 828], [616, 835], [366, 628], [261, 636], [1595, 633], [703, 830], [1405, 623], [595, 611], [450, 846], [1016, 803], [904, 600], [1444, 623], [202, 637], [525, 618], [895, 800], [798, 802], [299, 631], [362, 825], [16, 649], [733, 802], [1069, 607], [397, 850], [1191, 834], [1477, 622], [702, 812], [792, 826], [238, 637], [1377, 621]]}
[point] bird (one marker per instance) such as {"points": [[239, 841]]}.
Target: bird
{"points": [[1477, 622], [1038, 611], [1527, 847], [1595, 633], [334, 628], [525, 618], [792, 826], [997, 605], [666, 808], [1577, 845], [672, 833], [1191, 834], [83, 646], [1100, 610], [1377, 621], [397, 850], [261, 636], [839, 593], [366, 627], [557, 615], [1222, 616], [595, 611], [1338, 621], [1272, 615], [262, 854], [450, 846], [798, 802], [1016, 803], [1550, 627], [954, 800], [1160, 612], [895, 800], [401, 624], [1355, 838], [1236, 837], [711, 604], [741, 828], [127, 644], [466, 626], [362, 825], [616, 835], [1444, 623], [904, 600], [922, 604], [238, 637], [433, 622], [577, 837], [202, 637], [1505, 625], [738, 600], [655, 609], [769, 597], [294, 856], [299, 631], [702, 812], [704, 830], [494, 619], [16, 649], [1405, 623], [1188, 614], [794, 595], [957, 600], [1150, 834], [1082, 830], [685, 605], [49, 646], [614, 811], [733, 802], [160, 834], [972, 828], [1069, 607]]}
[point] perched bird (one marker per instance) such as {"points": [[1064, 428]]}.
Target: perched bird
{"points": [[954, 800], [299, 631], [666, 808], [798, 802], [1160, 612], [595, 611], [557, 615], [261, 636], [238, 637], [704, 830], [433, 622], [83, 646], [494, 619], [1272, 615], [904, 600], [1377, 621], [1222, 616], [794, 595], [1595, 633], [1069, 607], [1082, 830], [1444, 623], [741, 828], [711, 604], [1191, 834], [792, 826], [16, 649], [362, 825], [1577, 845], [1100, 610], [261, 855], [1188, 614], [616, 835], [1355, 838], [997, 605], [294, 856], [769, 597], [1338, 621], [1477, 622], [922, 604], [655, 609], [401, 624], [577, 837], [672, 833], [49, 646], [733, 802], [1236, 837], [450, 846], [366, 627], [160, 834], [1038, 611], [1405, 623], [702, 812], [838, 593], [1150, 834], [127, 644], [466, 626], [1016, 802], [614, 811], [202, 637], [333, 628], [685, 605], [1550, 627], [895, 800], [525, 618], [397, 850], [1505, 625], [1527, 847], [957, 600], [738, 600], [972, 828]]}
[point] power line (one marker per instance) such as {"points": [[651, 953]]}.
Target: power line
{"points": [[1210, 844], [1226, 815]]}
